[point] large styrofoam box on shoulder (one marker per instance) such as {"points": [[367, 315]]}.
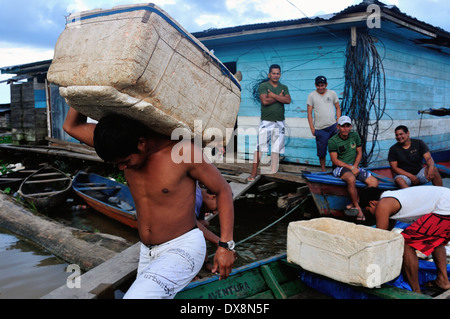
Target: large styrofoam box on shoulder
{"points": [[353, 254], [137, 61]]}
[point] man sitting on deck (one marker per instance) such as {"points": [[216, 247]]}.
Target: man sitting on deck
{"points": [[427, 208], [346, 153], [173, 248], [405, 158]]}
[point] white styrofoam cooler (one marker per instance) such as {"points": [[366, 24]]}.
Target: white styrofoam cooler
{"points": [[138, 61], [353, 254]]}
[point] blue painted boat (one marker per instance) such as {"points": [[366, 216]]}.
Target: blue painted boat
{"points": [[330, 193], [442, 161], [106, 196]]}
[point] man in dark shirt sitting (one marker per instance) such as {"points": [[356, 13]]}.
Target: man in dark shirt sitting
{"points": [[406, 157]]}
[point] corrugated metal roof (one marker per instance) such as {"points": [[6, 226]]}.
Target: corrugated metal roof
{"points": [[390, 13], [34, 67]]}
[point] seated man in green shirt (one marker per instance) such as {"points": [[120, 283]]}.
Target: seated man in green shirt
{"points": [[346, 153]]}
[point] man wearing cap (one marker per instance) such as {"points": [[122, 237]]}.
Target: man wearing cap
{"points": [[346, 153], [325, 105]]}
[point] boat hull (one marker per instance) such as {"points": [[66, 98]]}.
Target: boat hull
{"points": [[46, 189], [331, 196], [275, 278], [97, 197]]}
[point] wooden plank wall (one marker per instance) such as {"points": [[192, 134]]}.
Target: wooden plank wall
{"points": [[416, 79], [28, 113]]}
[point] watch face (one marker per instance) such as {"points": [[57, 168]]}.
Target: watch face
{"points": [[228, 245]]}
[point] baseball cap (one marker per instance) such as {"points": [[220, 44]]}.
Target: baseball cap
{"points": [[344, 120], [321, 79]]}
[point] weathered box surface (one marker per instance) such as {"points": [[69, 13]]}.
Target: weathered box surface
{"points": [[137, 61], [346, 252]]}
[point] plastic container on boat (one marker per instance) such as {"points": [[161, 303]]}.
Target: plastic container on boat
{"points": [[136, 60], [354, 254]]}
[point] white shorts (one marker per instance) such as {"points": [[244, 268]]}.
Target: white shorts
{"points": [[271, 133], [167, 268]]}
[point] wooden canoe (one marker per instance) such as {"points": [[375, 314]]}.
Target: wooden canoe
{"points": [[46, 189], [106, 196], [275, 278], [13, 180]]}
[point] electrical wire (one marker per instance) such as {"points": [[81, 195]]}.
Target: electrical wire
{"points": [[364, 91]]}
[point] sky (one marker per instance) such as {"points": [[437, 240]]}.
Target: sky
{"points": [[29, 29]]}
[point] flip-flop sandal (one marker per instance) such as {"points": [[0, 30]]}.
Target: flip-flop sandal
{"points": [[351, 211], [361, 218], [251, 178]]}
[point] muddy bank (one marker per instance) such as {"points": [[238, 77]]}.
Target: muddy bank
{"points": [[86, 249]]}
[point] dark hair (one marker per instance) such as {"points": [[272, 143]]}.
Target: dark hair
{"points": [[401, 127], [117, 136], [274, 66]]}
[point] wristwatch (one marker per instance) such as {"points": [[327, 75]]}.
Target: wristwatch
{"points": [[228, 245]]}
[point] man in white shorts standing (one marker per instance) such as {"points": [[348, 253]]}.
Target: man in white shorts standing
{"points": [[273, 96]]}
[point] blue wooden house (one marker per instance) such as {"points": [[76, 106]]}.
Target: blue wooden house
{"points": [[384, 65]]}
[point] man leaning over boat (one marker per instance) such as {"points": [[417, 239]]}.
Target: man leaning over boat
{"points": [[427, 209]]}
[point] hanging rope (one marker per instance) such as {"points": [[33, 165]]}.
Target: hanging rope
{"points": [[365, 90]]}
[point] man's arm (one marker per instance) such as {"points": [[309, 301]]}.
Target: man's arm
{"points": [[354, 167], [358, 157], [309, 109], [75, 125], [385, 209], [338, 111], [209, 175], [430, 164], [270, 98]]}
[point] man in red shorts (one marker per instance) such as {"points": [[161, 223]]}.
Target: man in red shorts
{"points": [[427, 209]]}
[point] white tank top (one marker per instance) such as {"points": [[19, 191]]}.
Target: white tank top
{"points": [[417, 201]]}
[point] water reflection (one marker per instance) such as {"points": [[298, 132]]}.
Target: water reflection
{"points": [[26, 270]]}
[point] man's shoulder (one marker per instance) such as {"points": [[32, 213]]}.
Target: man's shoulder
{"points": [[283, 85], [353, 134], [417, 141], [313, 93], [335, 138], [264, 83], [395, 146]]}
